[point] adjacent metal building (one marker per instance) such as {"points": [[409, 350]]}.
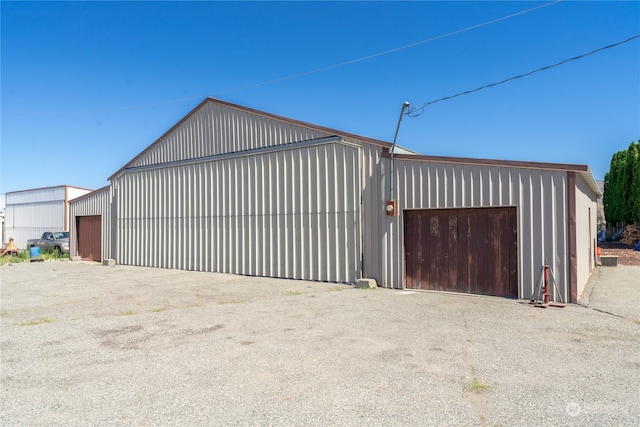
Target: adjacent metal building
{"points": [[91, 227], [236, 190], [29, 213]]}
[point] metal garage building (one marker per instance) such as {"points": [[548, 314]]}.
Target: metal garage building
{"points": [[29, 213], [236, 190]]}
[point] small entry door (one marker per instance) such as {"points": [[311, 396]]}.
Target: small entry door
{"points": [[89, 234]]}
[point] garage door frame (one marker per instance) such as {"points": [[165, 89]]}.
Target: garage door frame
{"points": [[464, 250], [89, 237]]}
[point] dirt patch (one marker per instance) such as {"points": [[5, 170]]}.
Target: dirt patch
{"points": [[625, 253]]}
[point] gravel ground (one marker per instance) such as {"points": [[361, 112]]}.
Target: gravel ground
{"points": [[83, 344], [616, 284]]}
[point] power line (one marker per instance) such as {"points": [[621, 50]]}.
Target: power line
{"points": [[386, 52], [412, 112], [306, 73]]}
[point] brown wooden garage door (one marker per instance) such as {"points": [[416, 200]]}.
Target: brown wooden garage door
{"points": [[462, 250], [89, 230]]}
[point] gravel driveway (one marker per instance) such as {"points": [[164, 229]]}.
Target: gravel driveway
{"points": [[83, 344]]}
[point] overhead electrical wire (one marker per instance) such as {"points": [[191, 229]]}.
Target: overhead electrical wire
{"points": [[306, 73], [386, 52], [412, 112]]}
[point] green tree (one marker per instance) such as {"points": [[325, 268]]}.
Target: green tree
{"points": [[633, 163], [621, 197], [606, 196], [612, 207]]}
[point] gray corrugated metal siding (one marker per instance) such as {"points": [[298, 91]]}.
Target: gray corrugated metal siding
{"points": [[29, 220], [540, 197], [290, 213], [218, 129]]}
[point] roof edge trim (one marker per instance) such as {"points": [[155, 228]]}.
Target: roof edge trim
{"points": [[94, 192], [489, 162], [257, 151], [48, 188], [583, 170]]}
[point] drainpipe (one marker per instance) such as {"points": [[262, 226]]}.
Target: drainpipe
{"points": [[391, 202]]}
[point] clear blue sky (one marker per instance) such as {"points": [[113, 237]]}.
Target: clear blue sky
{"points": [[88, 85]]}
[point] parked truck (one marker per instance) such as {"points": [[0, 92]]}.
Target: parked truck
{"points": [[51, 240]]}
